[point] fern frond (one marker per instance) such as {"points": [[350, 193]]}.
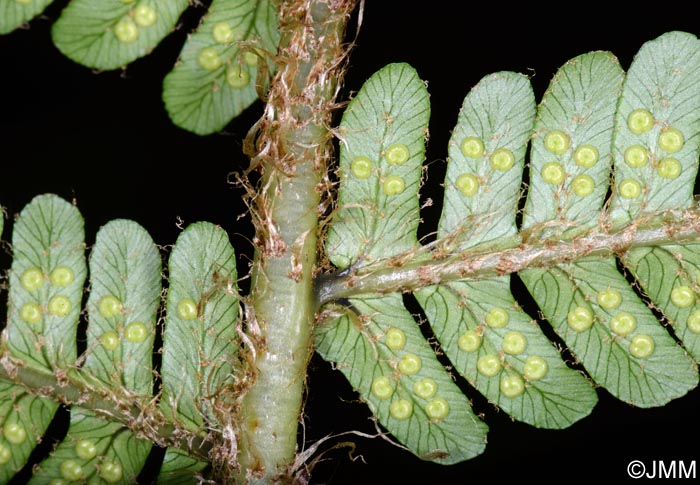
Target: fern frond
{"points": [[110, 35], [382, 147], [109, 386], [45, 293], [223, 67], [667, 273], [201, 323], [125, 289], [14, 13], [215, 77], [573, 225]]}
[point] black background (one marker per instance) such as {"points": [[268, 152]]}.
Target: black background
{"points": [[105, 140]]}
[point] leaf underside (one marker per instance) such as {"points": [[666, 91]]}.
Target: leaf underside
{"points": [[378, 203], [42, 317], [110, 35], [215, 77], [603, 149], [376, 343], [14, 13], [621, 319], [46, 287], [666, 271], [201, 320], [124, 296], [358, 342], [222, 68]]}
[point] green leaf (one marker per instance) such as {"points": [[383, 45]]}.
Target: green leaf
{"points": [[42, 316], [215, 77], [200, 340], [570, 155], [124, 297], [657, 128], [13, 13], [612, 332], [96, 450], [495, 122], [109, 35], [178, 468], [481, 197], [24, 419], [481, 329], [125, 288], [379, 347], [382, 147], [43, 310], [503, 353], [378, 344], [589, 303], [669, 275]]}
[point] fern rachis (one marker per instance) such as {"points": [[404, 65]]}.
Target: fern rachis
{"points": [[458, 290]]}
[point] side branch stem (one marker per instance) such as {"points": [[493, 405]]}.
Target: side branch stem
{"points": [[419, 271], [139, 414]]}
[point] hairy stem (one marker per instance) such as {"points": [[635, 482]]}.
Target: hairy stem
{"points": [[137, 413], [409, 272], [292, 148]]}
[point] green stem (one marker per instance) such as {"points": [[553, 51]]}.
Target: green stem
{"points": [[137, 413], [422, 270], [293, 146]]}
